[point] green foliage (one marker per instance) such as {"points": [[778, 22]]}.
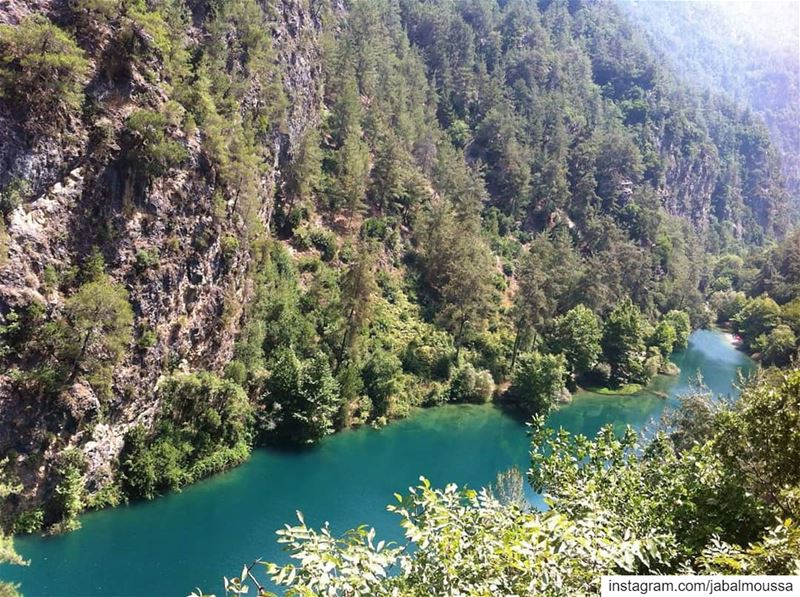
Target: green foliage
{"points": [[710, 44], [3, 244], [29, 521], [146, 259], [790, 314], [12, 195], [728, 304], [471, 385], [383, 381], [42, 71], [457, 266], [623, 343], [758, 317], [325, 242], [664, 337], [680, 500], [147, 338], [93, 267], [429, 357], [465, 542], [306, 166], [780, 346], [68, 495], [679, 320], [108, 496], [240, 61], [759, 439], [229, 245], [100, 324], [149, 149], [577, 335], [139, 476], [204, 427], [8, 555], [306, 395], [537, 382], [87, 339]]}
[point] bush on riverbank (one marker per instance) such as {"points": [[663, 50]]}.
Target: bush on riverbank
{"points": [[713, 492], [204, 427], [538, 382]]}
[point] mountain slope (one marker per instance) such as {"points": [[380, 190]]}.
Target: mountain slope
{"points": [[749, 51], [228, 222]]}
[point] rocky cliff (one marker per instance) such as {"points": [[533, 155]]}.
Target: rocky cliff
{"points": [[164, 240], [210, 187]]}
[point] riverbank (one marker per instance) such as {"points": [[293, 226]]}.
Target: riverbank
{"points": [[210, 528]]}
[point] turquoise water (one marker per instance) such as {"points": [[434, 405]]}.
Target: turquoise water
{"points": [[170, 545]]}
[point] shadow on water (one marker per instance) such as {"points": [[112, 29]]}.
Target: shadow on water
{"points": [[193, 538]]}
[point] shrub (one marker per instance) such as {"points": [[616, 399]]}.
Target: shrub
{"points": [[42, 70], [758, 316], [727, 304], [471, 385], [100, 321], [138, 474], [204, 427], [664, 337], [623, 343], [679, 320], [307, 394], [67, 500], [146, 259], [29, 521], [3, 244], [229, 245], [325, 242], [537, 382], [577, 335], [429, 357], [436, 395], [147, 338], [11, 196], [780, 346], [149, 151], [652, 365], [302, 238], [91, 13], [108, 496], [383, 381], [236, 371]]}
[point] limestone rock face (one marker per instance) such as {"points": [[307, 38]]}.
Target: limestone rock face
{"points": [[77, 198]]}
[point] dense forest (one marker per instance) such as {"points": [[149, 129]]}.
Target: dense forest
{"points": [[748, 50], [231, 223], [715, 490]]}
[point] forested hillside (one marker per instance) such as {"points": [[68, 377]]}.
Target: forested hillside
{"points": [[230, 222], [749, 51]]}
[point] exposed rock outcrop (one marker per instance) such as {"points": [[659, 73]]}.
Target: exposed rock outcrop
{"points": [[77, 198]]}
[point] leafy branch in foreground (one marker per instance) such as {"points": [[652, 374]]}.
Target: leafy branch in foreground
{"points": [[617, 505]]}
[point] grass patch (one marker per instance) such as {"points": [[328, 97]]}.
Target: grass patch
{"points": [[626, 390]]}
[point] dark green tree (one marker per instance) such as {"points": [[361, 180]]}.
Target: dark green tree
{"points": [[100, 322], [577, 335], [307, 395], [537, 382], [623, 343], [42, 71]]}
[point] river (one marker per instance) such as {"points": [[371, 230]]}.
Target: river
{"points": [[193, 538]]}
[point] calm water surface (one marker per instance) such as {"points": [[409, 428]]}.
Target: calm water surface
{"points": [[168, 546]]}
